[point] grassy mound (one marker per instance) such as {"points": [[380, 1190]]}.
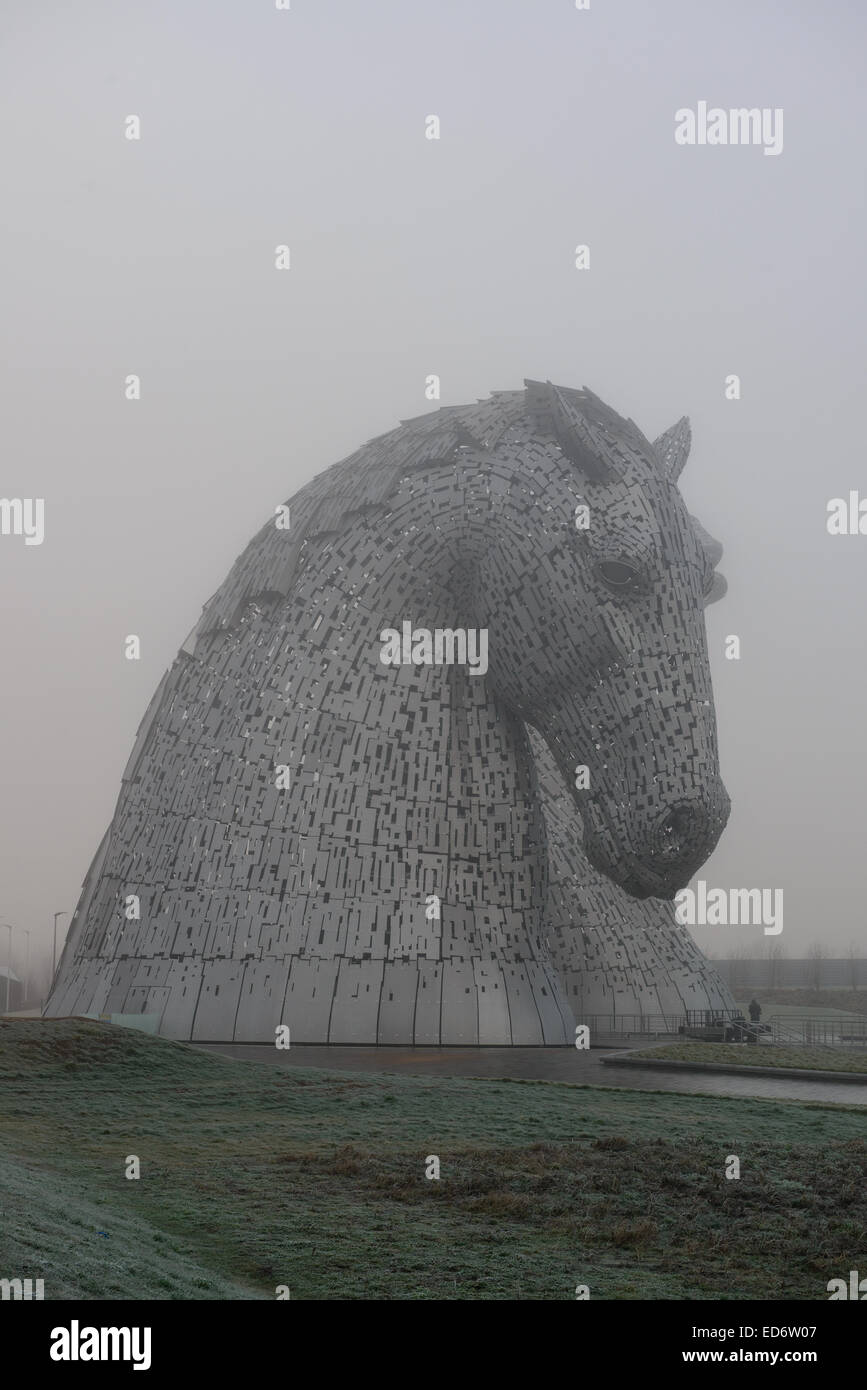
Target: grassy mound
{"points": [[254, 1176], [729, 1054]]}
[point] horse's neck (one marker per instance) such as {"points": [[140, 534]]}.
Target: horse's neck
{"points": [[428, 769]]}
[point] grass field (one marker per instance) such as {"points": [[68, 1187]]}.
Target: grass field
{"points": [[254, 1176], [803, 1058]]}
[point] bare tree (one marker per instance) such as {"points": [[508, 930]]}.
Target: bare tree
{"points": [[775, 954], [854, 960], [816, 956], [738, 969]]}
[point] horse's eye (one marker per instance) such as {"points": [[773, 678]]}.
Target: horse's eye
{"points": [[618, 575]]}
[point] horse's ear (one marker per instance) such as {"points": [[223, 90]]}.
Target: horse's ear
{"points": [[672, 448]]}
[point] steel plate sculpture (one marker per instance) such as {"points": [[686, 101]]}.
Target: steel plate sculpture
{"points": [[436, 757]]}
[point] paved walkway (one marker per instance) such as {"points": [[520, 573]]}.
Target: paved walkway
{"points": [[539, 1064]]}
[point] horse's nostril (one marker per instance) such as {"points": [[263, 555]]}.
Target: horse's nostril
{"points": [[679, 832], [678, 822]]}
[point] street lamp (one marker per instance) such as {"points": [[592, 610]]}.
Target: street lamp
{"points": [[26, 970], [54, 956], [8, 963]]}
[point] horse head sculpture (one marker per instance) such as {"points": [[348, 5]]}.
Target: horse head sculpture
{"points": [[336, 819]]}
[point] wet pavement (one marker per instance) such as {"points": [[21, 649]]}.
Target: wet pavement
{"points": [[540, 1064]]}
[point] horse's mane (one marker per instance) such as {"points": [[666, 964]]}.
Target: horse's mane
{"points": [[586, 429]]}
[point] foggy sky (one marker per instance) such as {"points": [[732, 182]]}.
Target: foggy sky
{"points": [[412, 257]]}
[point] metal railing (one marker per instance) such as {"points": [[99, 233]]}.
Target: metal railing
{"points": [[632, 1025], [795, 1031], [824, 1031]]}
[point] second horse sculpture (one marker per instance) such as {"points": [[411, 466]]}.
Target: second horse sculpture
{"points": [[419, 852]]}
